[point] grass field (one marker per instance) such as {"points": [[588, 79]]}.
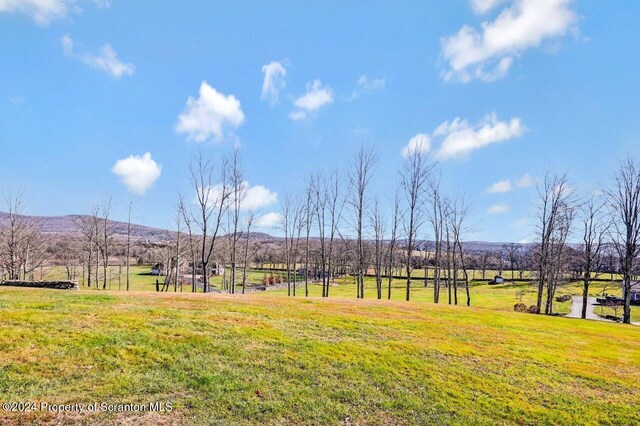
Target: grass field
{"points": [[267, 359], [500, 297]]}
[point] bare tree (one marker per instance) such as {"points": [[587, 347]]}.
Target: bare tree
{"points": [[512, 250], [212, 202], [555, 214], [87, 227], [414, 175], [308, 223], [594, 229], [238, 194], [624, 199], [396, 218], [21, 245], [191, 239], [328, 210], [379, 230], [104, 243], [291, 223], [249, 220], [359, 176], [436, 218], [458, 216]]}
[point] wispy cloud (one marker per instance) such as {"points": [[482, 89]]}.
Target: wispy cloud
{"points": [[106, 61], [42, 12], [507, 185], [367, 86], [274, 80], [498, 208]]}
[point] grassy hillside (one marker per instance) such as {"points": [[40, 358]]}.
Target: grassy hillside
{"points": [[267, 359]]}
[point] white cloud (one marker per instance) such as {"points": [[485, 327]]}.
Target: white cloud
{"points": [[500, 186], [498, 208], [106, 61], [488, 53], [269, 220], [207, 116], [137, 173], [273, 83], [255, 197], [483, 6], [42, 12], [297, 115], [367, 86], [460, 138], [525, 181], [258, 196], [315, 98], [506, 185], [418, 143]]}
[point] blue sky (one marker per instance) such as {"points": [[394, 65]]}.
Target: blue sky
{"points": [[499, 90]]}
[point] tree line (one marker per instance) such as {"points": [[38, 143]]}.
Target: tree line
{"points": [[336, 224]]}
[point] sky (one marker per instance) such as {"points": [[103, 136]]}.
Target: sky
{"points": [[113, 98]]}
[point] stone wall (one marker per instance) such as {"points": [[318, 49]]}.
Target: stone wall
{"points": [[59, 285]]}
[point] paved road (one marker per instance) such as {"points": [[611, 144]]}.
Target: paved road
{"points": [[576, 309]]}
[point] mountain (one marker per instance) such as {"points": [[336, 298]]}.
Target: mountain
{"points": [[63, 225]]}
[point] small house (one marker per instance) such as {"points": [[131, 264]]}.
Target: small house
{"points": [[635, 292], [157, 269], [214, 269], [217, 269], [497, 280]]}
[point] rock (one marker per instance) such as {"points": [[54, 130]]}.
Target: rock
{"points": [[563, 298], [533, 309]]}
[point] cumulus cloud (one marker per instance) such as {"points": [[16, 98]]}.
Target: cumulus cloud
{"points": [[316, 97], [208, 115], [106, 61], [419, 143], [459, 138], [507, 185], [489, 52], [138, 173], [274, 82], [367, 86], [255, 197], [269, 220], [498, 208]]}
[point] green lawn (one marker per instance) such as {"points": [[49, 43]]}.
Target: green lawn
{"points": [[268, 359]]}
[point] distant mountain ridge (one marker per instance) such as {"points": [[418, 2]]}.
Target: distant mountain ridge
{"points": [[66, 225]]}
